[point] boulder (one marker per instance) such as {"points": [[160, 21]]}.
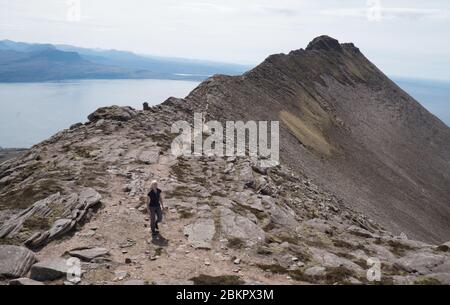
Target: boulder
{"points": [[444, 247], [201, 233], [246, 176], [15, 261], [49, 270], [25, 282], [381, 252], [89, 254], [423, 262], [283, 216], [237, 226], [114, 113], [327, 259]]}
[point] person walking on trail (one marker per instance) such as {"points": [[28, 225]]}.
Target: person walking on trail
{"points": [[155, 206]]}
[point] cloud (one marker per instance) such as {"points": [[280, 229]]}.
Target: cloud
{"points": [[285, 12], [384, 13], [202, 7]]}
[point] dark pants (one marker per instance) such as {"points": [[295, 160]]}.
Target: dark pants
{"points": [[155, 217]]}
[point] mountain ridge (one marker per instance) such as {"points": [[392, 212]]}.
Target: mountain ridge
{"points": [[332, 71]]}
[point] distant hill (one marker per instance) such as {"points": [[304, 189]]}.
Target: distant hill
{"points": [[24, 62]]}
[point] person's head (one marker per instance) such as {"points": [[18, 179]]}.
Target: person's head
{"points": [[154, 185]]}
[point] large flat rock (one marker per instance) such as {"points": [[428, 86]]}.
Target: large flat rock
{"points": [[238, 226], [200, 234], [89, 254], [15, 261], [49, 270]]}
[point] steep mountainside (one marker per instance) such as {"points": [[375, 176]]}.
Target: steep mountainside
{"points": [[352, 143], [350, 128]]}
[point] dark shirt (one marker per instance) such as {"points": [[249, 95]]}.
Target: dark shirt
{"points": [[155, 198]]}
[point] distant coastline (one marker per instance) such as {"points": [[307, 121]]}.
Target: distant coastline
{"points": [[9, 153], [24, 63]]}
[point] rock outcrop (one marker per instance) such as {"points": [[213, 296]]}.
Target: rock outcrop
{"points": [[66, 211]]}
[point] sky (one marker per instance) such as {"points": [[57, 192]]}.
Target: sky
{"points": [[407, 38]]}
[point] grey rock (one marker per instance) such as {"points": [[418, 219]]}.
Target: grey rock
{"points": [[283, 216], [443, 278], [76, 205], [409, 243], [328, 259], [381, 252], [25, 282], [15, 261], [319, 225], [72, 209], [120, 275], [149, 156], [422, 262], [445, 247], [268, 202], [315, 271], [89, 254], [115, 113], [49, 270], [222, 201], [355, 230], [404, 280], [246, 175], [201, 233], [237, 226]]}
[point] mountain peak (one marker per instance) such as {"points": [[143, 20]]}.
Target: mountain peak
{"points": [[325, 43]]}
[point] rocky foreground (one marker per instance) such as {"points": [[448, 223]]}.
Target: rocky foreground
{"points": [[80, 194], [360, 159]]}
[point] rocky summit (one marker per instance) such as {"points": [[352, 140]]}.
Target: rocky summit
{"points": [[363, 188]]}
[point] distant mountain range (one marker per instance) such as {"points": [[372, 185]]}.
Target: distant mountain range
{"points": [[25, 62]]}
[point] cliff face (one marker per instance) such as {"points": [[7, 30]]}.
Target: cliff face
{"points": [[352, 144], [345, 124]]}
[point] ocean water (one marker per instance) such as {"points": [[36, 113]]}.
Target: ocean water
{"points": [[32, 112], [433, 95]]}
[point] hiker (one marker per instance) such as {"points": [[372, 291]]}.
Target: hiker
{"points": [[155, 207]]}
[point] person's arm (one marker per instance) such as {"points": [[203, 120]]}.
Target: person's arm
{"points": [[161, 200], [148, 204]]}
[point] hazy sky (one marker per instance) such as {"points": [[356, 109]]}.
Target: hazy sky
{"points": [[404, 38]]}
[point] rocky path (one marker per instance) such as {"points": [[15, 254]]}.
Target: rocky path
{"points": [[122, 227]]}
